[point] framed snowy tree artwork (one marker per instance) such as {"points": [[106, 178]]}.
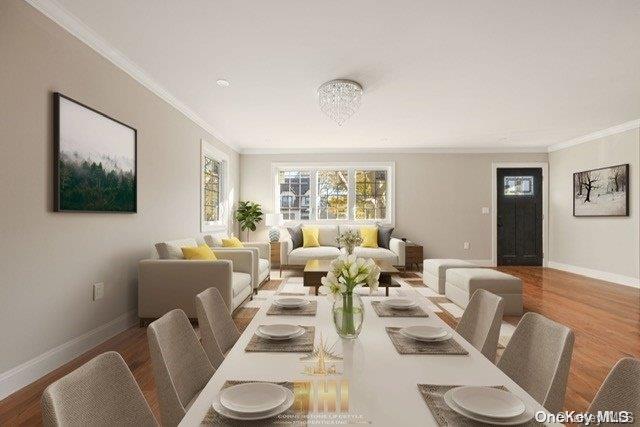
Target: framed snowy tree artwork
{"points": [[601, 192]]}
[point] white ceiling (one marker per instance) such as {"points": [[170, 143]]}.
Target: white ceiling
{"points": [[470, 74]]}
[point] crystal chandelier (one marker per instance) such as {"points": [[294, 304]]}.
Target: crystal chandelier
{"points": [[339, 99]]}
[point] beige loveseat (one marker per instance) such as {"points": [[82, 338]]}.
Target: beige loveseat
{"points": [[168, 281], [329, 248]]}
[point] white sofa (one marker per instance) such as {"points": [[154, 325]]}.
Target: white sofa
{"points": [[329, 248], [168, 281], [261, 255]]}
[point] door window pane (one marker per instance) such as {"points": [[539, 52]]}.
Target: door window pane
{"points": [[518, 186]]}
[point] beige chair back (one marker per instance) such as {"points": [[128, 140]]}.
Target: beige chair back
{"points": [[102, 392], [620, 391], [217, 329], [480, 323], [538, 357], [180, 366]]}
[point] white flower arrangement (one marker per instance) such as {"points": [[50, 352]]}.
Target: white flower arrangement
{"points": [[347, 272]]}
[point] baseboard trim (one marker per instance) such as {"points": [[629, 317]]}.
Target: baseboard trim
{"points": [[619, 279], [22, 375]]}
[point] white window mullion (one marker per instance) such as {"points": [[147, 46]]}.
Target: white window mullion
{"points": [[313, 202], [351, 200]]}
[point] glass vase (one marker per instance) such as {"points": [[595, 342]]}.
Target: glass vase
{"points": [[348, 315]]}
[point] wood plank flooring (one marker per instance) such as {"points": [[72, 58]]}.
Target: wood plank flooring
{"points": [[604, 317]]}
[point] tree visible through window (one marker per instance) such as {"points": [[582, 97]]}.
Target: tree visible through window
{"points": [[294, 194], [212, 174], [333, 194], [371, 194]]}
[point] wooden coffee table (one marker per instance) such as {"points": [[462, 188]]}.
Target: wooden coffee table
{"points": [[316, 269]]}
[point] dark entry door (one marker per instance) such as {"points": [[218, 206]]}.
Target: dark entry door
{"points": [[520, 216]]}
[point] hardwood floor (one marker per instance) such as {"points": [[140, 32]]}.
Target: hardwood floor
{"points": [[604, 317]]}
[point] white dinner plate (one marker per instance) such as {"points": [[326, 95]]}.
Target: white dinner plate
{"points": [[399, 303], [425, 333], [488, 402], [252, 398], [291, 302], [257, 416], [525, 417], [280, 330]]}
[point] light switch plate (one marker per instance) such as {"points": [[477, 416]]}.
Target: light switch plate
{"points": [[98, 291], [466, 245], [485, 211]]}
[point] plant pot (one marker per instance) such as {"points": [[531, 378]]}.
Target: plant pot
{"points": [[348, 315]]}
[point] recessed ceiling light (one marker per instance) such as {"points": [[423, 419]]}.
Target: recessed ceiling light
{"points": [[222, 82]]}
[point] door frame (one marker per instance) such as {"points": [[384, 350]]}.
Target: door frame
{"points": [[494, 206]]}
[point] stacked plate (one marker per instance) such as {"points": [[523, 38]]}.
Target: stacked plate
{"points": [[280, 332], [426, 333], [488, 405], [253, 401], [399, 303], [291, 302]]}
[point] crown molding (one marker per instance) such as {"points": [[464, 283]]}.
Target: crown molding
{"points": [[633, 124], [395, 150], [74, 26]]}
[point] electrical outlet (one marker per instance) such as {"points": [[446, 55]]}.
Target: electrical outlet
{"points": [[485, 211], [98, 291], [466, 245]]}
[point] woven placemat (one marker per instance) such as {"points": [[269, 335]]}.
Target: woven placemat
{"points": [[433, 396], [384, 311], [308, 310], [303, 344], [406, 345], [292, 416]]}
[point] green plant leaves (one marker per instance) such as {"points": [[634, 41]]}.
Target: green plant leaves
{"points": [[248, 215]]}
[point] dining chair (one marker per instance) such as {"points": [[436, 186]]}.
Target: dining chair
{"points": [[480, 323], [102, 392], [620, 391], [217, 329], [180, 366], [538, 357]]}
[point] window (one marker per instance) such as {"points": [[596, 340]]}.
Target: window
{"points": [[211, 189], [295, 186], [371, 194], [334, 193], [214, 191], [518, 185]]}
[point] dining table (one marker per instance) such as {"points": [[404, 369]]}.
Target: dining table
{"points": [[382, 385]]}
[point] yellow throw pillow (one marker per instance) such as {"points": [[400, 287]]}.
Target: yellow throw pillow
{"points": [[310, 237], [369, 237], [233, 242], [202, 252]]}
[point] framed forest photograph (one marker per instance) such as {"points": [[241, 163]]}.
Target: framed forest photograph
{"points": [[601, 192], [94, 160]]}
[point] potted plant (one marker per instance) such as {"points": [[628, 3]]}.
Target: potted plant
{"points": [[345, 274], [248, 215], [349, 240]]}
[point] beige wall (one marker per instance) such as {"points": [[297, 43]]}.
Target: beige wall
{"points": [[49, 261], [439, 197], [609, 245]]}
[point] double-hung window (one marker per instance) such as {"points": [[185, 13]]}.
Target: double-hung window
{"points": [[342, 193]]}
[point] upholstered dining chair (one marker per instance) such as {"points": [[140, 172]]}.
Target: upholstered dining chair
{"points": [[217, 329], [180, 366], [538, 357], [102, 392], [480, 323], [620, 391]]}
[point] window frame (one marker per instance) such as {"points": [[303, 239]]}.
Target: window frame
{"points": [[351, 167], [222, 224]]}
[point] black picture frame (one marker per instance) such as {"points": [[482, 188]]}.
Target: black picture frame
{"points": [[575, 184], [57, 197]]}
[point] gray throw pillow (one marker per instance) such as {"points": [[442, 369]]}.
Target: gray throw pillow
{"points": [[296, 235], [384, 236]]}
